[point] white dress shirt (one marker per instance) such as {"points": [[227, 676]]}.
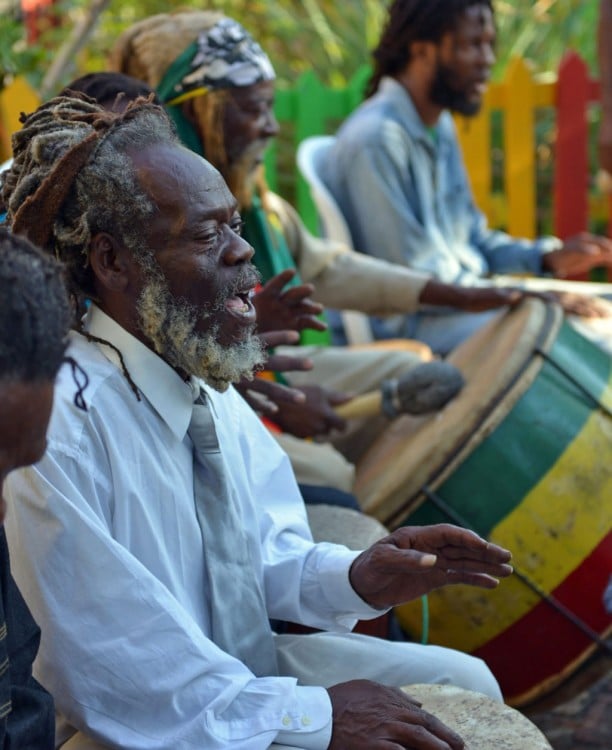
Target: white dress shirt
{"points": [[106, 548]]}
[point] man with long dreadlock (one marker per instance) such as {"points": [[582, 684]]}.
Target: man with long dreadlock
{"points": [[34, 323], [397, 157], [163, 527], [217, 85], [115, 91]]}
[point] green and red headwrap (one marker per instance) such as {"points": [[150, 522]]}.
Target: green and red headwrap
{"points": [[223, 56]]}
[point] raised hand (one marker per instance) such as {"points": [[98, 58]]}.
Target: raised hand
{"points": [[415, 560], [369, 716], [288, 309]]}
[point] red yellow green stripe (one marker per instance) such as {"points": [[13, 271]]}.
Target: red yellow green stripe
{"points": [[543, 646], [556, 526]]}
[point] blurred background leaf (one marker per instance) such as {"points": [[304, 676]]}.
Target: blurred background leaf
{"points": [[326, 36]]}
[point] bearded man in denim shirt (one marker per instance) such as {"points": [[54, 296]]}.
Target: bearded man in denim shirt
{"points": [[397, 172]]}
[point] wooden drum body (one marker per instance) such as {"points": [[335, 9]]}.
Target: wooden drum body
{"points": [[524, 457]]}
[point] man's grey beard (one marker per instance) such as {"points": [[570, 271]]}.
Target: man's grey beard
{"points": [[242, 174], [170, 326]]}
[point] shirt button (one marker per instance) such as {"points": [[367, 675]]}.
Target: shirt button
{"points": [[286, 721], [306, 722]]}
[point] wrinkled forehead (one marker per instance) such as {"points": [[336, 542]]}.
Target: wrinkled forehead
{"points": [[178, 180], [172, 166]]}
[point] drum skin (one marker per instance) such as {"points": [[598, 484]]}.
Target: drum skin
{"points": [[524, 458], [480, 721]]}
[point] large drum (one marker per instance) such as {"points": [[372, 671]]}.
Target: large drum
{"points": [[524, 457]]}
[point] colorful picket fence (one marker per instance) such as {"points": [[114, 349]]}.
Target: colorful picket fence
{"points": [[313, 109], [310, 108]]}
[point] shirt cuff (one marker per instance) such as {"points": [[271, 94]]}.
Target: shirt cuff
{"points": [[334, 574], [544, 245], [316, 710]]}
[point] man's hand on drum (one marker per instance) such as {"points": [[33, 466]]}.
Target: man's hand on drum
{"points": [[315, 415], [578, 255], [264, 395], [291, 309], [369, 716], [414, 560], [584, 305]]}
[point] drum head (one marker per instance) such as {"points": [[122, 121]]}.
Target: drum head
{"points": [[482, 722], [498, 365]]}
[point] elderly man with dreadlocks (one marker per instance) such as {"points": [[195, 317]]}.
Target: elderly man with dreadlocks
{"points": [[163, 527], [397, 158], [218, 87], [34, 323]]}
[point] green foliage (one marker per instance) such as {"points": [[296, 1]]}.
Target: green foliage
{"points": [[332, 39], [543, 30], [15, 55]]}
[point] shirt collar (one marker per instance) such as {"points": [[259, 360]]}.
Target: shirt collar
{"points": [[170, 396]]}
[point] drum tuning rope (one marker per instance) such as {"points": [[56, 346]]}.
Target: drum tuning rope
{"points": [[553, 602], [594, 401]]}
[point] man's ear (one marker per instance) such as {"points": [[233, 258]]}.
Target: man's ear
{"points": [[424, 52], [110, 262]]}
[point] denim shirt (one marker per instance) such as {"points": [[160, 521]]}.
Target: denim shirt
{"points": [[404, 191]]}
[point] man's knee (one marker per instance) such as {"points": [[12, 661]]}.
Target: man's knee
{"points": [[475, 675]]}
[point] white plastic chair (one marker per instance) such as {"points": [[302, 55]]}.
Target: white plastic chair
{"points": [[310, 155]]}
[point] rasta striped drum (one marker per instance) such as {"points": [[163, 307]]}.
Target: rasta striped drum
{"points": [[524, 457]]}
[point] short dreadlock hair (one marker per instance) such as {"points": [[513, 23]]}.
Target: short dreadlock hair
{"points": [[72, 177], [411, 21], [109, 88], [34, 312]]}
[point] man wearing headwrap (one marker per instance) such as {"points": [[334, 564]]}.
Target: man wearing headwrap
{"points": [[218, 87]]}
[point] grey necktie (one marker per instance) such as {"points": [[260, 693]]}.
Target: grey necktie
{"points": [[239, 620]]}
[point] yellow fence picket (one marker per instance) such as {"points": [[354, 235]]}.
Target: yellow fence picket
{"points": [[16, 98], [519, 149]]}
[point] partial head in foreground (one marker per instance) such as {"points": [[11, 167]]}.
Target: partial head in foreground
{"points": [[216, 83], [34, 324], [146, 229], [449, 43]]}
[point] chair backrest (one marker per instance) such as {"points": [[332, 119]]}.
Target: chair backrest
{"points": [[310, 155]]}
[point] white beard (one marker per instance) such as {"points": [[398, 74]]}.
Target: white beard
{"points": [[169, 324]]}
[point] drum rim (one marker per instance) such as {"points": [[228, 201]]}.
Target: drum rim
{"points": [[518, 381]]}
